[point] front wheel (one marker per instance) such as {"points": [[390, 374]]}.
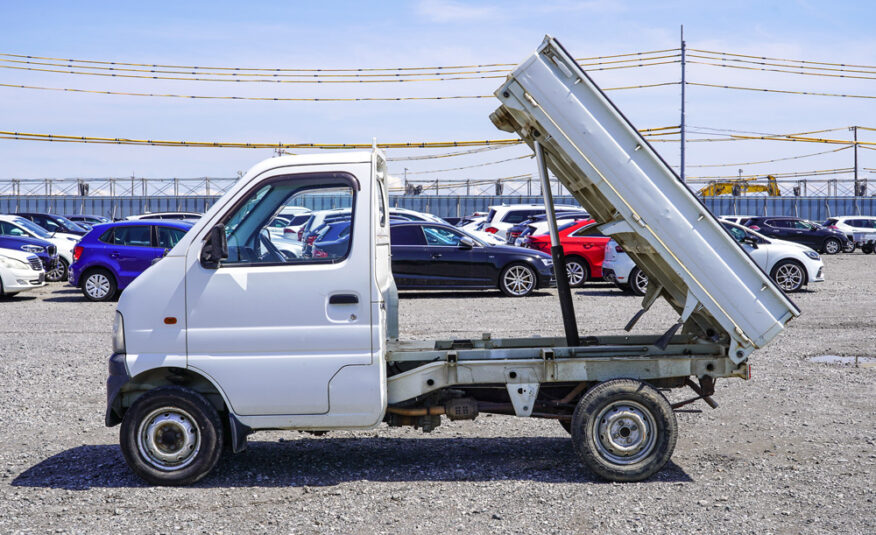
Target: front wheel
{"points": [[171, 436], [624, 430], [517, 280], [832, 246], [576, 272], [867, 249], [59, 272], [849, 247], [789, 275]]}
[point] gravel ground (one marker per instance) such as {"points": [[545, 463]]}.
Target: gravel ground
{"points": [[790, 451]]}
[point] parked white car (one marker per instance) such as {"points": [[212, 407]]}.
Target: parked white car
{"points": [[413, 215], [851, 224], [297, 217], [505, 216], [738, 219], [20, 271], [19, 226], [791, 265]]}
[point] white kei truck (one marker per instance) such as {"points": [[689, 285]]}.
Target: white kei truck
{"points": [[226, 336]]}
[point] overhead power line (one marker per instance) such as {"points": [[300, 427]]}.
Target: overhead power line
{"points": [[786, 71], [782, 59], [764, 90], [739, 164]]}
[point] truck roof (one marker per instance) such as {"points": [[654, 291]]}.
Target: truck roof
{"points": [[639, 200]]}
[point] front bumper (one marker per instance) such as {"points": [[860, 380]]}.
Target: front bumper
{"points": [[18, 280], [117, 378]]}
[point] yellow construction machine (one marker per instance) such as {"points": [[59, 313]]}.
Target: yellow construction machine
{"points": [[741, 186]]}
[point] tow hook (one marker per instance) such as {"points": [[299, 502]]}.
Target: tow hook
{"points": [[704, 392]]}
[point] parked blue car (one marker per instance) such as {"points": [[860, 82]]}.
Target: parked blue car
{"points": [[45, 251], [112, 255], [333, 241]]}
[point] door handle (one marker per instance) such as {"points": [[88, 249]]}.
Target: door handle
{"points": [[436, 255], [343, 299], [114, 255]]}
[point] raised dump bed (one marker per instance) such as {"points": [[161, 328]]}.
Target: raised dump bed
{"points": [[620, 179]]}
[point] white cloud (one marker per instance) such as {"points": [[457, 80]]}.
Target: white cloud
{"points": [[450, 11]]}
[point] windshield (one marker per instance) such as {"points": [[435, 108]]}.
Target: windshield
{"points": [[33, 227], [70, 225]]}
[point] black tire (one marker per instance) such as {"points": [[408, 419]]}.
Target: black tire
{"points": [[867, 249], [518, 280], [789, 275], [98, 285], [577, 270], [186, 434], [832, 246], [849, 247], [643, 424], [638, 281], [59, 273]]}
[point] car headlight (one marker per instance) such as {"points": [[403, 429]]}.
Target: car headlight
{"points": [[119, 333], [546, 261], [33, 248], [812, 254], [12, 263]]}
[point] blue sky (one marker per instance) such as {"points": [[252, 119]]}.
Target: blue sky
{"points": [[419, 33]]}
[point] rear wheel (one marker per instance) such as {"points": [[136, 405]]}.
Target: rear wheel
{"points": [[171, 436], [832, 246], [849, 247], [517, 280], [624, 430], [867, 249], [59, 272], [638, 281], [576, 271], [99, 285], [789, 275]]}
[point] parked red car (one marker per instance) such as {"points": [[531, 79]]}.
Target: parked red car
{"points": [[584, 247]]}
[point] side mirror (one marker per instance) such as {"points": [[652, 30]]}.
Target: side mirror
{"points": [[466, 243], [750, 240], [215, 247]]}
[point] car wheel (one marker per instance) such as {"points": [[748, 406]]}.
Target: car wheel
{"points": [[576, 271], [867, 249], [789, 275], [832, 246], [624, 430], [638, 281], [99, 285], [59, 273], [849, 247], [171, 436], [517, 280]]}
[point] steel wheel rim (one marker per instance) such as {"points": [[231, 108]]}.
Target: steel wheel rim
{"points": [[169, 439], [97, 286], [519, 280], [789, 277], [624, 432], [574, 272], [832, 247], [641, 281]]}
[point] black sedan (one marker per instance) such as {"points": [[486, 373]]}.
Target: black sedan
{"points": [[433, 256], [800, 231], [54, 223]]}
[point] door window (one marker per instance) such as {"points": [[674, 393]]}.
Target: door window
{"points": [[133, 236], [802, 225], [249, 243], [168, 237], [588, 230], [406, 235], [441, 237], [8, 229]]}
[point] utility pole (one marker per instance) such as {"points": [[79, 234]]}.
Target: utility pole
{"points": [[682, 101], [854, 130]]}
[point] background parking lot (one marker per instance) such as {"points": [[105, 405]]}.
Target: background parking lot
{"points": [[791, 451]]}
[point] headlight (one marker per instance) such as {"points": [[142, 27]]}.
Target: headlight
{"points": [[812, 254], [33, 248], [546, 261], [119, 333], [12, 263]]}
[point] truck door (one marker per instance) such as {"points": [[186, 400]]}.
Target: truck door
{"points": [[273, 331]]}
